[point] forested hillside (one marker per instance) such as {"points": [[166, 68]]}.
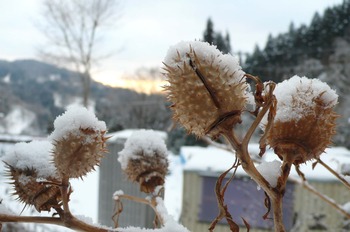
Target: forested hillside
{"points": [[284, 53], [320, 49], [33, 93]]}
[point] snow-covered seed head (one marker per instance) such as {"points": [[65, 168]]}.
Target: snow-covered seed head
{"points": [[29, 166], [206, 88], [77, 154], [79, 142], [31, 191], [305, 120], [144, 160]]}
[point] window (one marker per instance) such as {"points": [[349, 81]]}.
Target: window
{"points": [[243, 200]]}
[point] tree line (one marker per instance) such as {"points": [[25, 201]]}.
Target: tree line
{"points": [[313, 41]]}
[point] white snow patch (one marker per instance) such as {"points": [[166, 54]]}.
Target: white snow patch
{"points": [[57, 100], [36, 154], [74, 119], [117, 193], [7, 79], [270, 171], [205, 51], [17, 120], [146, 142], [346, 207], [170, 225], [173, 187], [209, 158], [217, 160], [345, 169], [297, 96], [125, 134], [23, 179]]}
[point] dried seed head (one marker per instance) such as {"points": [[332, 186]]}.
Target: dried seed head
{"points": [[79, 142], [144, 159], [28, 165], [78, 153], [305, 119], [31, 191], [205, 87]]}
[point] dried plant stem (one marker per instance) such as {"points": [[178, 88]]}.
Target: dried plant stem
{"points": [[306, 185], [346, 183], [30, 219], [66, 219], [65, 195], [220, 194], [277, 214], [250, 169], [73, 222], [152, 203], [279, 193]]}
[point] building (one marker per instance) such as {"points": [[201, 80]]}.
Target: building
{"points": [[302, 210], [112, 179]]}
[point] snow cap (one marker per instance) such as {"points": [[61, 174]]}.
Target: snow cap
{"points": [[35, 155], [75, 118]]}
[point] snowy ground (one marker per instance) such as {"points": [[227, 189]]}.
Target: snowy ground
{"points": [[84, 200]]}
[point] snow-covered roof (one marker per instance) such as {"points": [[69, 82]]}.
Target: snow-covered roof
{"points": [[215, 160], [16, 138], [125, 134]]}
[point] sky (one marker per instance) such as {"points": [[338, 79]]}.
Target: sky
{"points": [[145, 29]]}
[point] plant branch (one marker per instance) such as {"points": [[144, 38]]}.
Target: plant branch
{"points": [[152, 203], [220, 193], [246, 161], [306, 185], [345, 182], [72, 222]]}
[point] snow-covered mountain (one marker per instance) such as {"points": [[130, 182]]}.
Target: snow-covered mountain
{"points": [[33, 93]]}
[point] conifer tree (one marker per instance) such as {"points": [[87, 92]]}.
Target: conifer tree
{"points": [[209, 34], [216, 38]]}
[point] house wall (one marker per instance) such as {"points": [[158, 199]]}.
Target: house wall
{"points": [[309, 207], [112, 179], [306, 205]]}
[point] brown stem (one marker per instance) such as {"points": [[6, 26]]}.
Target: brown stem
{"points": [[220, 193], [279, 190], [65, 196], [30, 219], [326, 199], [277, 214], [73, 222], [334, 173], [152, 204], [256, 123], [246, 161]]}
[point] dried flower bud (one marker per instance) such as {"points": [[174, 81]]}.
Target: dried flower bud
{"points": [[305, 121], [28, 166], [78, 153], [31, 191], [144, 159], [79, 142], [206, 88]]}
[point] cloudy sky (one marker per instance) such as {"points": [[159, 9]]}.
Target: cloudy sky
{"points": [[147, 28]]}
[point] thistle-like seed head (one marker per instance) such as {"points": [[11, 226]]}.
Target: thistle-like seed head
{"points": [[78, 153], [31, 191], [206, 88], [305, 119], [144, 160], [34, 177], [79, 142]]}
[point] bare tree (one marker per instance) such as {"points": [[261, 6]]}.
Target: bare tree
{"points": [[73, 30]]}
